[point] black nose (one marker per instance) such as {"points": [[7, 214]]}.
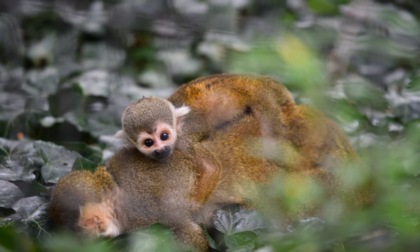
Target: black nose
{"points": [[162, 153]]}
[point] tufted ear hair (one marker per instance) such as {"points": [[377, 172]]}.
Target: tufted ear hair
{"points": [[124, 138], [182, 111], [180, 114]]}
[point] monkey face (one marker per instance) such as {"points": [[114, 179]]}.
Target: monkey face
{"points": [[157, 143], [150, 125]]}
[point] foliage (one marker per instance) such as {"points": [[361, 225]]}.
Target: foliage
{"points": [[69, 68]]}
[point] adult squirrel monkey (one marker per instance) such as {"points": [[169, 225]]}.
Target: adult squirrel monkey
{"points": [[224, 166], [219, 101]]}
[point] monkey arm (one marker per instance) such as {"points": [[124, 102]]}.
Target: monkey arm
{"points": [[208, 171]]}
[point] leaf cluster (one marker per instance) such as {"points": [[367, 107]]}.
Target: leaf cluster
{"points": [[69, 68]]}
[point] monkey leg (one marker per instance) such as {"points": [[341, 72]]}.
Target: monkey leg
{"points": [[207, 176], [191, 235]]}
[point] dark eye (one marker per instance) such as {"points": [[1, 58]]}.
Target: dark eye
{"points": [[164, 136], [148, 142]]}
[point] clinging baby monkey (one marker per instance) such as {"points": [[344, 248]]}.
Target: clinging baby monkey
{"points": [[152, 124]]}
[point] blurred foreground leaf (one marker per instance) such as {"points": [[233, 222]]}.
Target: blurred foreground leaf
{"points": [[70, 243], [240, 228], [12, 241], [153, 238]]}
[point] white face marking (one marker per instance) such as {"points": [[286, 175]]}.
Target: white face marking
{"points": [[111, 230], [164, 135], [98, 219]]}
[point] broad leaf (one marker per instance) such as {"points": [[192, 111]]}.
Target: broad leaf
{"points": [[31, 216], [31, 208], [18, 160], [9, 194], [242, 241], [238, 220], [57, 161], [153, 238]]}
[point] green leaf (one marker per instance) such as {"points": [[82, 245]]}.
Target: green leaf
{"points": [[43, 81], [309, 224], [18, 160], [65, 100], [12, 104], [262, 59], [153, 238], [326, 7], [58, 161], [98, 116], [10, 240], [70, 243], [9, 194], [30, 208], [245, 241], [103, 56], [95, 83], [363, 93], [33, 217], [210, 240], [82, 163], [26, 123], [92, 153], [236, 219]]}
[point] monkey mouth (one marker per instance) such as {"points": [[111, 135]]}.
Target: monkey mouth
{"points": [[162, 153]]}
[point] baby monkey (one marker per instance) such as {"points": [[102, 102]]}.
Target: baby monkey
{"points": [[151, 125]]}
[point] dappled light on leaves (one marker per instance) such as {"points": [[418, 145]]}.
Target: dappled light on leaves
{"points": [[153, 238], [302, 68], [69, 68], [293, 194], [276, 150]]}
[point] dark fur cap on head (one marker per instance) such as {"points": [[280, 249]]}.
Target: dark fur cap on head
{"points": [[143, 114]]}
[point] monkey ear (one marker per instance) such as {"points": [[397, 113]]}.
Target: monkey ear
{"points": [[180, 113], [124, 138]]}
